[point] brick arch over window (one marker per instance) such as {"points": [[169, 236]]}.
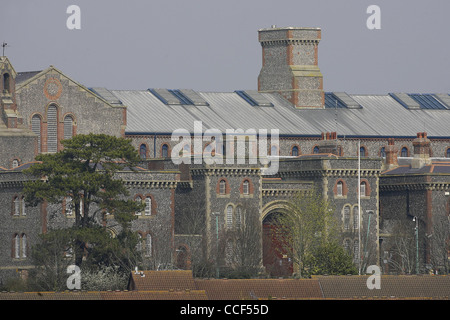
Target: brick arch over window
{"points": [[69, 126], [364, 151], [223, 187], [36, 127], [295, 150], [165, 150], [153, 204], [344, 187], [250, 186], [404, 151], [143, 150], [52, 128], [368, 190]]}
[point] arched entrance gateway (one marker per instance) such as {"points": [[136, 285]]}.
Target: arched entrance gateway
{"points": [[276, 257]]}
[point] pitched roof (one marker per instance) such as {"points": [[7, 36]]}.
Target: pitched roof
{"points": [[238, 289], [365, 115], [410, 286], [162, 280]]}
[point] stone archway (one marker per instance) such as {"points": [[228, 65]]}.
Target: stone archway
{"points": [[275, 255]]}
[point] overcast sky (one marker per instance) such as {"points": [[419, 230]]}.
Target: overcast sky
{"points": [[211, 45]]}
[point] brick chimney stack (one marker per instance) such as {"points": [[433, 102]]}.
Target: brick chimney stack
{"points": [[421, 151], [290, 65], [391, 155], [329, 143]]}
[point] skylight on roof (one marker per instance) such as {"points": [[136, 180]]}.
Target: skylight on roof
{"points": [[254, 98]]}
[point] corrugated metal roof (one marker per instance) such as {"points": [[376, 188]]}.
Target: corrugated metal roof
{"points": [[379, 115]]}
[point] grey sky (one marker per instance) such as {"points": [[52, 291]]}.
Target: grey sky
{"points": [[211, 45]]}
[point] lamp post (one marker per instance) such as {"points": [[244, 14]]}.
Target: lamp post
{"points": [[216, 214], [416, 230]]}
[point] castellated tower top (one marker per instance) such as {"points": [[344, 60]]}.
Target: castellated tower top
{"points": [[290, 65]]}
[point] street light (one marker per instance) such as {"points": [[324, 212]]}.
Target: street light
{"points": [[216, 214], [416, 229]]}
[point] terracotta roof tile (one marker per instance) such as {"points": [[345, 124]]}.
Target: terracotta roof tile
{"points": [[236, 289], [163, 280], [411, 286]]}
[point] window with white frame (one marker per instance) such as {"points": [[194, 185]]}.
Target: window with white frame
{"points": [[148, 206], [355, 218], [229, 216], [246, 187], [222, 187], [346, 217]]}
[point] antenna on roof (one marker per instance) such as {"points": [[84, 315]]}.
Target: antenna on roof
{"points": [[4, 45]]}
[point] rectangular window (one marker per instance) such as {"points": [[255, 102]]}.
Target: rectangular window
{"points": [[148, 206]]}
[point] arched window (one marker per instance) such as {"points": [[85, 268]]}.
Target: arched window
{"points": [[404, 152], [16, 206], [143, 151], [222, 187], [316, 150], [246, 187], [52, 129], [6, 86], [383, 152], [148, 206], [340, 189], [355, 218], [346, 218], [294, 151], [17, 246], [139, 243], [229, 216], [362, 151], [238, 216], [165, 151], [148, 245], [68, 127], [36, 128], [448, 153], [24, 246], [22, 203], [362, 188], [274, 150]]}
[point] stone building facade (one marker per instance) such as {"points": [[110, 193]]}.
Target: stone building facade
{"points": [[325, 140]]}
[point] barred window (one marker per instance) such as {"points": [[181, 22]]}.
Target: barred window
{"points": [[246, 187], [229, 216], [222, 187], [356, 218], [68, 127], [36, 128], [52, 129], [148, 206], [346, 218]]}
